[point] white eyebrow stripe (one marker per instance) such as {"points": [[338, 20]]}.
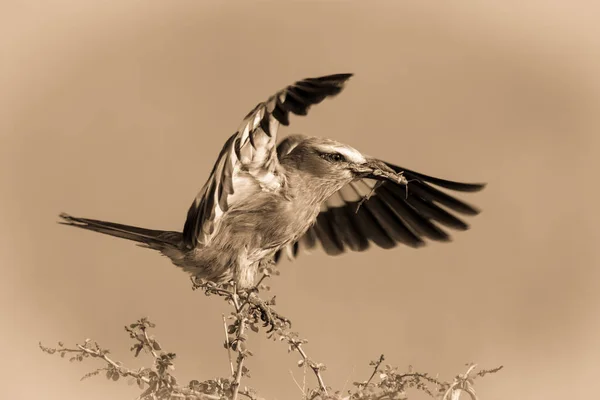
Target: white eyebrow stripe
{"points": [[351, 155]]}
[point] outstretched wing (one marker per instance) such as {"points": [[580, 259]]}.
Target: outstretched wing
{"points": [[248, 161], [392, 214]]}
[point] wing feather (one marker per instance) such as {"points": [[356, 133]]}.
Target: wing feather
{"points": [[248, 161], [393, 214]]}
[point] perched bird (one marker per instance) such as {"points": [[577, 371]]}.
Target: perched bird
{"points": [[264, 199]]}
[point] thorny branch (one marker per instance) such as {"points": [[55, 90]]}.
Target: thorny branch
{"points": [[92, 349], [250, 311], [256, 307], [240, 346], [156, 382]]}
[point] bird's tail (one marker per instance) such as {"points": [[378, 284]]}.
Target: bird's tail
{"points": [[154, 239]]}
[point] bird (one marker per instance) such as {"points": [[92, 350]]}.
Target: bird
{"points": [[265, 199]]}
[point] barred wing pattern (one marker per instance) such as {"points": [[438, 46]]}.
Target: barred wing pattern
{"points": [[392, 214], [248, 160]]}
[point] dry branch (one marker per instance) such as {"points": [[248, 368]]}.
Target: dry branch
{"points": [[249, 312]]}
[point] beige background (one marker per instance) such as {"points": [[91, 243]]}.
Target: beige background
{"points": [[117, 109]]}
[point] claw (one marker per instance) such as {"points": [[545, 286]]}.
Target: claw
{"points": [[268, 316]]}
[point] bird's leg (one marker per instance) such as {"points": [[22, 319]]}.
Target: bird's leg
{"points": [[260, 308]]}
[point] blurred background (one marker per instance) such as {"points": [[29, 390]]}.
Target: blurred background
{"points": [[117, 110]]}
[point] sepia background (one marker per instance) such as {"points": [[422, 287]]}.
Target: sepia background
{"points": [[117, 109]]}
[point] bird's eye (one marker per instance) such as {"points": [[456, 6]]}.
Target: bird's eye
{"points": [[334, 157]]}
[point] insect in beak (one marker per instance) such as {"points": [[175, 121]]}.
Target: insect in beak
{"points": [[379, 171]]}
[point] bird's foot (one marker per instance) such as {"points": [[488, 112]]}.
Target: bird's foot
{"points": [[264, 310]]}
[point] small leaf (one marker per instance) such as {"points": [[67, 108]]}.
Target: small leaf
{"points": [[156, 346], [108, 373], [301, 362]]}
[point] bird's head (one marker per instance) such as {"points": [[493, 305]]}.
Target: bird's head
{"points": [[335, 164]]}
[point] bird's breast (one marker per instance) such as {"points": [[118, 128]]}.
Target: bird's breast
{"points": [[248, 234]]}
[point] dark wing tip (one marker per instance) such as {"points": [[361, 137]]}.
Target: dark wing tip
{"points": [[332, 77], [456, 186], [68, 219], [300, 96], [473, 187]]}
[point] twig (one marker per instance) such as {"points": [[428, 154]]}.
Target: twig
{"points": [[228, 345], [304, 379], [148, 343], [98, 354], [160, 383], [210, 288], [347, 380], [315, 367], [377, 364], [297, 384], [464, 383], [241, 351]]}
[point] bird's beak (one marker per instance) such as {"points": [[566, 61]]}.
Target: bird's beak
{"points": [[378, 170]]}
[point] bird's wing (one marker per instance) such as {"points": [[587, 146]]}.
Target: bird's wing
{"points": [[248, 161], [392, 214]]}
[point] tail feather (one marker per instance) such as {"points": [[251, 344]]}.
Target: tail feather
{"points": [[154, 239]]}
